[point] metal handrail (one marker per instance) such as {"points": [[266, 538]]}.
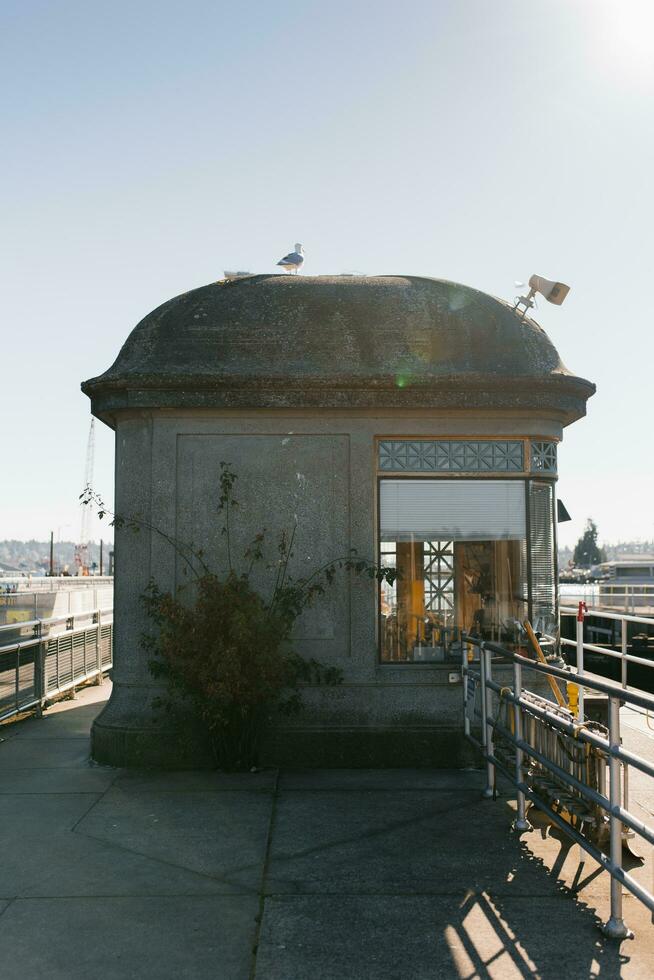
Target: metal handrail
{"points": [[592, 681], [23, 644], [607, 651], [629, 657], [528, 705], [47, 676], [581, 613], [46, 585], [616, 591], [34, 623], [604, 614]]}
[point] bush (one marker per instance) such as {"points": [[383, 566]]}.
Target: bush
{"points": [[227, 656]]}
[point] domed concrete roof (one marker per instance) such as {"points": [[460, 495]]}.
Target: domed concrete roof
{"points": [[337, 341]]}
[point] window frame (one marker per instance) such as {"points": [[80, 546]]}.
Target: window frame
{"points": [[527, 480]]}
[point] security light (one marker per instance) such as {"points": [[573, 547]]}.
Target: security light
{"points": [[554, 292]]}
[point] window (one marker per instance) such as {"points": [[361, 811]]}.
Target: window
{"points": [[641, 571], [544, 611], [460, 547]]}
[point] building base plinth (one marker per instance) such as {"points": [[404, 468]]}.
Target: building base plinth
{"points": [[368, 748]]}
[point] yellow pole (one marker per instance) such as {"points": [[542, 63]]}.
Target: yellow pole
{"points": [[541, 657]]}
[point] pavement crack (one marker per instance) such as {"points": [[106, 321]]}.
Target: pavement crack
{"points": [[218, 879], [100, 796], [391, 827], [264, 878], [10, 902]]}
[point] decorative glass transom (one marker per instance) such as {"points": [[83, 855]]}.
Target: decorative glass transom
{"points": [[452, 456], [543, 457]]}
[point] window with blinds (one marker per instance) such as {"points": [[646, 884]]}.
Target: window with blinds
{"points": [[452, 510], [462, 549], [544, 610], [459, 548]]}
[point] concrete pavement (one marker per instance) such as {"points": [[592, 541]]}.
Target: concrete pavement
{"points": [[330, 874]]}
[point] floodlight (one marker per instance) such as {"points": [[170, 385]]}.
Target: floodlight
{"points": [[554, 292]]}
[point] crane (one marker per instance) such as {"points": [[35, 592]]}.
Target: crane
{"points": [[82, 547]]}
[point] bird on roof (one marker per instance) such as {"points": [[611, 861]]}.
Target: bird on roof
{"points": [[294, 261]]}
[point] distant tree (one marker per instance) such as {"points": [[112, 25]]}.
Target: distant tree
{"points": [[587, 551]]}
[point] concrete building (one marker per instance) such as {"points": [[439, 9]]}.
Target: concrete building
{"points": [[413, 419]]}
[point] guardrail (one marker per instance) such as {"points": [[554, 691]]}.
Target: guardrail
{"points": [[46, 584], [45, 603], [582, 613], [40, 664], [629, 597], [527, 750]]}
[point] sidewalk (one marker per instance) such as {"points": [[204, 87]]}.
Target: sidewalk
{"points": [[332, 875]]}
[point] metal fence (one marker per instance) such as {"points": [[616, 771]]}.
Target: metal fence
{"points": [[18, 584], [626, 598], [45, 600], [38, 663], [622, 622], [558, 763]]}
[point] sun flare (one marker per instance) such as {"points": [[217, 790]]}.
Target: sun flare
{"points": [[623, 38]]}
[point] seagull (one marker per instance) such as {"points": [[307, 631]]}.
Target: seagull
{"points": [[294, 260]]}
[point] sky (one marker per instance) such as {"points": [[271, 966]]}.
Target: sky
{"points": [[149, 145]]}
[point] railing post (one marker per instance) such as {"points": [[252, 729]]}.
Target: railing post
{"points": [[98, 649], [72, 693], [39, 671], [520, 823], [625, 797], [17, 679], [615, 927], [482, 695], [580, 659], [464, 678], [623, 647], [487, 708]]}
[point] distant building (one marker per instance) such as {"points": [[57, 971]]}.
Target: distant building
{"points": [[628, 579]]}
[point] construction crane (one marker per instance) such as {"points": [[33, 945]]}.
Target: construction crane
{"points": [[82, 547]]}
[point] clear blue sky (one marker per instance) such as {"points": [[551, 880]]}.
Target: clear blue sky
{"points": [[150, 145]]}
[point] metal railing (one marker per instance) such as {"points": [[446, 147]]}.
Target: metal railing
{"points": [[41, 664], [628, 598], [47, 600], [582, 613], [558, 763], [51, 583]]}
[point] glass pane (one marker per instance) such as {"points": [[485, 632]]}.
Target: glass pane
{"points": [[544, 611], [445, 587]]}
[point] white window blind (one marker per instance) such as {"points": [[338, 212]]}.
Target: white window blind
{"points": [[456, 510]]}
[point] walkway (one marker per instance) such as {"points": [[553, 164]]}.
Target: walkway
{"points": [[329, 875]]}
